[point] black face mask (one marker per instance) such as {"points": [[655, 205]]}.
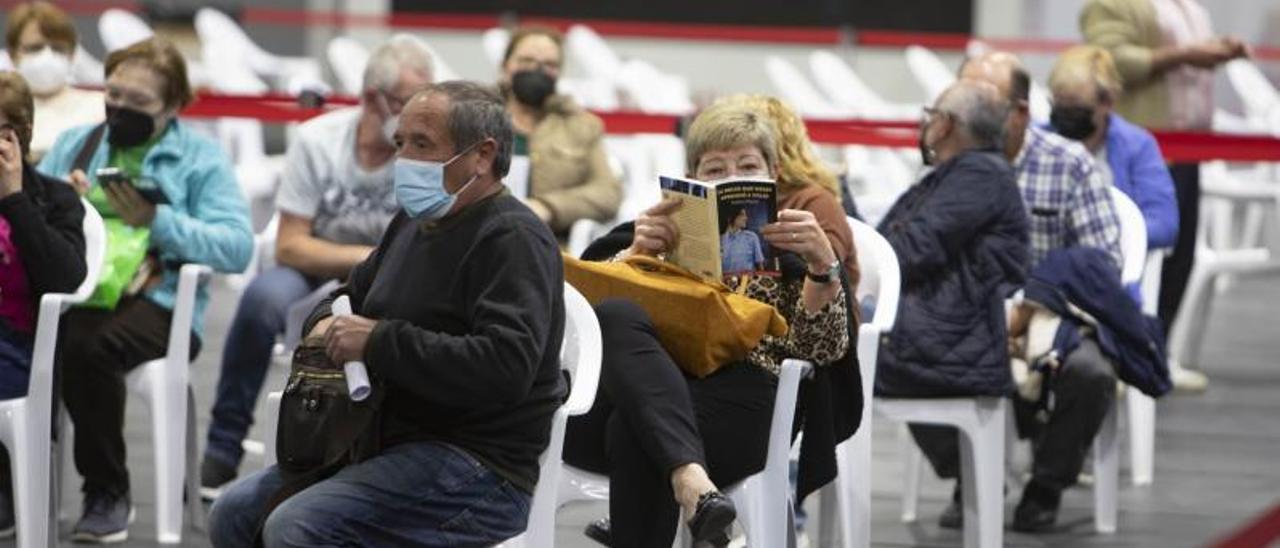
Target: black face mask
{"points": [[128, 127], [532, 87], [1075, 123]]}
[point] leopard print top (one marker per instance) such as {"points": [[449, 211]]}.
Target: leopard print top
{"points": [[820, 338]]}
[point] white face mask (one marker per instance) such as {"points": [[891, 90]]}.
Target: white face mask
{"points": [[46, 72]]}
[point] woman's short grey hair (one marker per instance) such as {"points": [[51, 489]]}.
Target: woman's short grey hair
{"points": [[477, 112], [400, 52]]}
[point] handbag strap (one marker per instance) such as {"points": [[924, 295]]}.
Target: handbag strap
{"points": [[652, 264], [90, 145]]}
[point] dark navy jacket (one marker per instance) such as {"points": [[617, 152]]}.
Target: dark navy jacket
{"points": [[961, 236], [1088, 280]]}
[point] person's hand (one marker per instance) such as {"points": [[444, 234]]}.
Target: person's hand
{"points": [[1208, 54], [1236, 47], [798, 231], [321, 327], [346, 338], [10, 164], [135, 210], [656, 232], [79, 181]]}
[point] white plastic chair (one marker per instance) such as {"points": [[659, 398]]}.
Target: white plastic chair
{"points": [[797, 90], [763, 500], [930, 72], [86, 70], [846, 502], [588, 50], [1259, 96], [579, 355], [220, 33], [848, 91], [25, 422], [163, 384], [347, 59], [495, 42], [119, 29], [1221, 194]]}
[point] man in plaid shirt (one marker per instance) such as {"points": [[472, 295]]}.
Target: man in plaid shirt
{"points": [[1068, 205]]}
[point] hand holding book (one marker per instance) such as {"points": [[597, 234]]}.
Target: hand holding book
{"points": [[656, 232], [798, 231]]}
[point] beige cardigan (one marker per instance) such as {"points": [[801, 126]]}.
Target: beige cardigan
{"points": [[569, 171], [1130, 30]]}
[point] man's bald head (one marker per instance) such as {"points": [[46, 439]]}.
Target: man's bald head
{"points": [[1001, 69]]}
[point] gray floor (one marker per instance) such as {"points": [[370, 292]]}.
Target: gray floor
{"points": [[1215, 465]]}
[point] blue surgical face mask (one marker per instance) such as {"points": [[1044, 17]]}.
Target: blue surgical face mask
{"points": [[420, 188]]}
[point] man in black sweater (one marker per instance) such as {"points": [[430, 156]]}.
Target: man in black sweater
{"points": [[459, 313]]}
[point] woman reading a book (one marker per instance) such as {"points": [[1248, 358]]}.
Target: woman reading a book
{"points": [[669, 441]]}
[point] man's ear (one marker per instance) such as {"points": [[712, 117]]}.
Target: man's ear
{"points": [[486, 151]]}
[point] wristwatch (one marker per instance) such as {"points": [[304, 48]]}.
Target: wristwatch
{"points": [[830, 275]]}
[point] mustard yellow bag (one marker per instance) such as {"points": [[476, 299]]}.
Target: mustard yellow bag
{"points": [[702, 324]]}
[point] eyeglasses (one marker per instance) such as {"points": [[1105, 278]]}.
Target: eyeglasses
{"points": [[930, 113]]}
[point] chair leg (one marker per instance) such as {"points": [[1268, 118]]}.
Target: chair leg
{"points": [[29, 465], [1142, 436], [1106, 473], [195, 508], [169, 424], [913, 461], [982, 468], [64, 464], [831, 509]]}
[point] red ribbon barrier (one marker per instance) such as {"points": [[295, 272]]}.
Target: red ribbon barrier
{"points": [[1177, 146]]}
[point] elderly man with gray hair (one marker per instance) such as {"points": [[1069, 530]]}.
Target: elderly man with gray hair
{"points": [[458, 316], [335, 201], [961, 236]]}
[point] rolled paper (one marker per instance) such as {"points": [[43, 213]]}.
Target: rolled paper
{"points": [[358, 387]]}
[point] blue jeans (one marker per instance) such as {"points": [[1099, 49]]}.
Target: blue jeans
{"points": [[415, 494], [260, 317], [15, 363]]}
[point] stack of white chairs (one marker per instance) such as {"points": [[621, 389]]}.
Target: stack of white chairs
{"points": [[930, 72], [850, 92], [846, 502], [26, 422], [219, 32], [796, 89], [119, 29], [608, 76], [495, 42], [347, 59], [1261, 99]]}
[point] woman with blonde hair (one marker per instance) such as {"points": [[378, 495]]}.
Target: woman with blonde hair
{"points": [[667, 440], [803, 181], [1086, 87]]}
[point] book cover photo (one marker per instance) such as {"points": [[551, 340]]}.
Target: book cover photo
{"points": [[720, 226]]}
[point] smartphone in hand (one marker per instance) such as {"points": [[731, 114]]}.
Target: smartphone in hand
{"points": [[149, 190]]}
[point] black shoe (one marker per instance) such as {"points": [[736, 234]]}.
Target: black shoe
{"points": [[6, 513], [712, 518], [214, 477], [953, 515], [599, 531], [106, 519], [1038, 510]]}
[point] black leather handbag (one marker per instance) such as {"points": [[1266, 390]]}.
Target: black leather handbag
{"points": [[319, 425]]}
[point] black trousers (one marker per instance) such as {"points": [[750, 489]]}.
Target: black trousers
{"points": [[1084, 389], [1177, 267], [97, 348], [650, 418]]}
